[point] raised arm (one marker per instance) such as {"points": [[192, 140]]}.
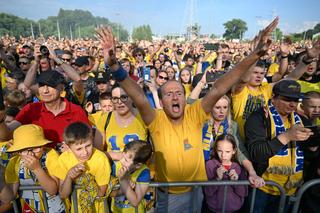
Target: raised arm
{"points": [[131, 87], [224, 84], [302, 67]]}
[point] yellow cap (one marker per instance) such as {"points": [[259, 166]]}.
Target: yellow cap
{"points": [[27, 136]]}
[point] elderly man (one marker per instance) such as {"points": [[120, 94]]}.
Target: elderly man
{"points": [[176, 130], [53, 113]]}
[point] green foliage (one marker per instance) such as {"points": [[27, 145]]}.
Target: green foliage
{"points": [[278, 34], [235, 29], [142, 33], [70, 22]]}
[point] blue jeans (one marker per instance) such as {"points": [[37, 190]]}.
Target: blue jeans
{"points": [[188, 202], [268, 203]]}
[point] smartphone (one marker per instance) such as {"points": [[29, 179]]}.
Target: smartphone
{"points": [[213, 76], [146, 74], [315, 130], [210, 46]]}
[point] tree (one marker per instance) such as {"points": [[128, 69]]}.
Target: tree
{"points": [[235, 29], [75, 22], [142, 33], [278, 34]]}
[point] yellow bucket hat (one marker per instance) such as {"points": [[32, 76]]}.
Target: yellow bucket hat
{"points": [[27, 136]]}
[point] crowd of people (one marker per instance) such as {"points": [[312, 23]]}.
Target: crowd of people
{"points": [[97, 113]]}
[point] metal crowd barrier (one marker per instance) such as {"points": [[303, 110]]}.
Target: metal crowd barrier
{"points": [[297, 198], [177, 184]]}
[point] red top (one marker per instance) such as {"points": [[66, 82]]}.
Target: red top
{"points": [[53, 126]]}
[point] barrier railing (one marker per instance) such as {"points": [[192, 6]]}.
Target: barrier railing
{"points": [[175, 184], [297, 198]]}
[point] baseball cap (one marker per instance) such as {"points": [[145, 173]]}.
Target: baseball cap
{"points": [[101, 77], [27, 136], [81, 61], [288, 88], [51, 78]]}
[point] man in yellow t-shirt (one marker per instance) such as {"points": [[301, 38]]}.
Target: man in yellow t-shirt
{"points": [[176, 130], [249, 96]]}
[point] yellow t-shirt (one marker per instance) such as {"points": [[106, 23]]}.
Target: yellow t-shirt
{"points": [[247, 101], [4, 155], [274, 67], [120, 204], [306, 86], [98, 119], [187, 88], [178, 147], [2, 76], [15, 173], [117, 137], [98, 166]]}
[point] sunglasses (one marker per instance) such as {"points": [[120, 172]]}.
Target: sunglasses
{"points": [[122, 98], [138, 55], [24, 63], [287, 99], [66, 59], [161, 77]]}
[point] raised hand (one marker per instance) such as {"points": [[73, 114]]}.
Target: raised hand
{"points": [[314, 52], [107, 40], [263, 39]]}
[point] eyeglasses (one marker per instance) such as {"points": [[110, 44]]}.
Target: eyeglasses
{"points": [[24, 63], [162, 77], [30, 151], [139, 54], [122, 98]]}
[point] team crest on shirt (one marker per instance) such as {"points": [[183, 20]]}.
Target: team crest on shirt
{"points": [[186, 144]]}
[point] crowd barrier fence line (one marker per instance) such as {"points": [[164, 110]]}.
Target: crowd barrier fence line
{"points": [[297, 197], [177, 184]]}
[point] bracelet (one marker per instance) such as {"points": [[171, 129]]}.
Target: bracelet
{"points": [[120, 74], [306, 62]]}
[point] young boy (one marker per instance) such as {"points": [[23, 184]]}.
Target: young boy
{"points": [[33, 164], [134, 177], [85, 166]]}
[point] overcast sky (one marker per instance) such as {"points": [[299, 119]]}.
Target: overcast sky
{"points": [[171, 16]]}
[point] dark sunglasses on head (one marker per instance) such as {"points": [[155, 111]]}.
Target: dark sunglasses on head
{"points": [[161, 77], [122, 98]]}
